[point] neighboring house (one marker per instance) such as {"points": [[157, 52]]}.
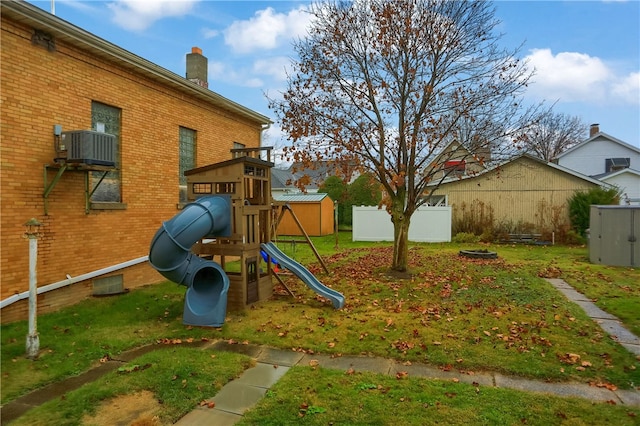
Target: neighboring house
{"points": [[98, 218], [282, 182], [315, 213], [600, 153], [315, 175], [524, 194], [627, 181], [604, 157], [457, 161]]}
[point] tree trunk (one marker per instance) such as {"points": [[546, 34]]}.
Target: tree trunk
{"points": [[400, 239]]}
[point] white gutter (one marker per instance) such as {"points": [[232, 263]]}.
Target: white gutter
{"points": [[72, 280]]}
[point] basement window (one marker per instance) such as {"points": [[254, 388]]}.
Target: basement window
{"points": [[108, 285]]}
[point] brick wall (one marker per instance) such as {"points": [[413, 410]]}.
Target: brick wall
{"points": [[40, 88]]}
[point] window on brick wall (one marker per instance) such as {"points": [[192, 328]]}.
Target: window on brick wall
{"points": [[106, 118], [187, 147]]}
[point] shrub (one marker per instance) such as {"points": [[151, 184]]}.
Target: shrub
{"points": [[474, 219], [580, 205], [465, 237]]}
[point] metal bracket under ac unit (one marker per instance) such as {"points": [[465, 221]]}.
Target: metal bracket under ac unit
{"points": [[48, 187]]}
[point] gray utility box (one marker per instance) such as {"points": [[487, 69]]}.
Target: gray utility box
{"points": [[614, 232], [89, 147]]}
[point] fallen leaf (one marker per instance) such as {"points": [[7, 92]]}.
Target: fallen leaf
{"points": [[569, 358], [401, 375]]}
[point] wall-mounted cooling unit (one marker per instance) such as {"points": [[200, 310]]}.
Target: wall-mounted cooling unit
{"points": [[88, 147]]}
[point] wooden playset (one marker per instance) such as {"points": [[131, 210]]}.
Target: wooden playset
{"points": [[246, 178]]}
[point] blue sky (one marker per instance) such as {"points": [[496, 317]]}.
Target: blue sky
{"points": [[586, 53]]}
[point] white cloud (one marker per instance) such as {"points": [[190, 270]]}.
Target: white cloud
{"points": [[208, 33], [578, 77], [275, 67], [628, 88], [266, 30], [78, 5], [232, 74], [138, 15]]}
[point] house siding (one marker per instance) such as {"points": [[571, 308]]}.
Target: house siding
{"points": [[589, 158], [40, 88], [628, 183], [524, 191]]}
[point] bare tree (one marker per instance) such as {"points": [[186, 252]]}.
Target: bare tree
{"points": [[553, 134], [392, 85]]}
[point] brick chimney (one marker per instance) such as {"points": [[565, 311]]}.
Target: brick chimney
{"points": [[197, 67], [594, 129]]}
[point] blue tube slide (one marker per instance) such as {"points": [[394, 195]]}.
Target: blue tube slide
{"points": [[205, 302], [303, 273]]}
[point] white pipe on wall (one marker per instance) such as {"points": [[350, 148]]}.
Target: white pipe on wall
{"points": [[72, 280]]}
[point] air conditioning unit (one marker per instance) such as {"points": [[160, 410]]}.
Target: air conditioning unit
{"points": [[88, 147]]}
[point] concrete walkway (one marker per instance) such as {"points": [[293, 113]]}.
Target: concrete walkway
{"points": [[610, 324], [242, 394]]}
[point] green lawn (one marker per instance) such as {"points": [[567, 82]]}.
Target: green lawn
{"points": [[454, 313], [323, 397], [498, 315]]}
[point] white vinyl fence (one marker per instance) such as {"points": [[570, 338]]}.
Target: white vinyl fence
{"points": [[428, 224]]}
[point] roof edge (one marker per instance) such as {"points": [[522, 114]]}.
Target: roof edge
{"points": [[39, 16], [597, 135]]}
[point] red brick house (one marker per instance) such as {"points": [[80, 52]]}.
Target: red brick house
{"points": [[98, 216]]}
